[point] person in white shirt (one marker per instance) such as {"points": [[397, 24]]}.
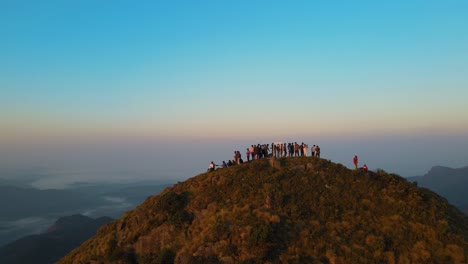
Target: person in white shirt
{"points": [[212, 166]]}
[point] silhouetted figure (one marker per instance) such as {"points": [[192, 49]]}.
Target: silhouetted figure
{"points": [[355, 161]]}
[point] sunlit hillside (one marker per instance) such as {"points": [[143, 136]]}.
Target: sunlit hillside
{"points": [[293, 210]]}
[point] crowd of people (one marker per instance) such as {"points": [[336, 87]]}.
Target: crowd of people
{"points": [[280, 149], [276, 149]]}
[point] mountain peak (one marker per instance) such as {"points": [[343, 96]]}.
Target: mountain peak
{"points": [[69, 222], [439, 169], [289, 210]]}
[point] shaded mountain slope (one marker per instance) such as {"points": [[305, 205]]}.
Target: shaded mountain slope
{"points": [[66, 234], [448, 182], [294, 210]]}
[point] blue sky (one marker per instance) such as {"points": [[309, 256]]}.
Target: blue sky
{"points": [[171, 71]]}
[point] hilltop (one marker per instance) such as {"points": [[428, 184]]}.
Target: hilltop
{"points": [[290, 210]]}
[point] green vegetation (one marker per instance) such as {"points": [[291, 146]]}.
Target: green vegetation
{"points": [[165, 256], [294, 210], [173, 205]]}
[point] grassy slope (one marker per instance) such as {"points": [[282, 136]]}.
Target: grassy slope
{"points": [[296, 210]]}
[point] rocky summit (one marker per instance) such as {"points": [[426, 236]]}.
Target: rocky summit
{"points": [[289, 210]]}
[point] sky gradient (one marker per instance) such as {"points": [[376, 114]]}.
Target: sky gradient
{"points": [[253, 71]]}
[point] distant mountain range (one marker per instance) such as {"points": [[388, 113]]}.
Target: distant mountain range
{"points": [[66, 234], [26, 210], [448, 182]]}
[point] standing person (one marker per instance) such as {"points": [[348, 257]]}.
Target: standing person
{"points": [[317, 151], [296, 149], [355, 161], [313, 150], [305, 149], [248, 154]]}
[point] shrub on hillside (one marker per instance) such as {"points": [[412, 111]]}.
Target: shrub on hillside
{"points": [[173, 205]]}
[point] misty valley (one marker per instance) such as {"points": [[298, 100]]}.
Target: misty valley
{"points": [[27, 210]]}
